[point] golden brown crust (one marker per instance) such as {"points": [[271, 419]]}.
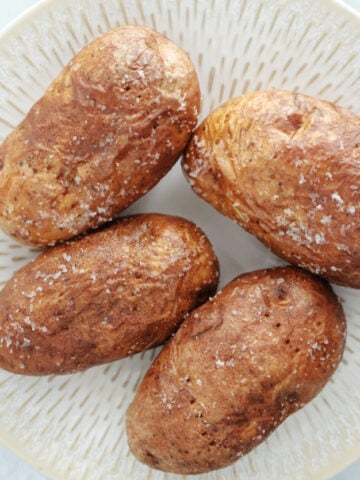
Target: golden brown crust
{"points": [[286, 167], [236, 368], [105, 296], [106, 131]]}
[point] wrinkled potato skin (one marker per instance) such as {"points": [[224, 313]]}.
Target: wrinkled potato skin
{"points": [[286, 167], [106, 131], [105, 296], [236, 368]]}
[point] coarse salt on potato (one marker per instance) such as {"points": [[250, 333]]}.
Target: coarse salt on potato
{"points": [[238, 366], [286, 167], [107, 129], [110, 294]]}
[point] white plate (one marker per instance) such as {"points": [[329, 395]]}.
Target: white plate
{"points": [[72, 427]]}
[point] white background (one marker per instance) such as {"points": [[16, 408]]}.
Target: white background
{"points": [[11, 468]]}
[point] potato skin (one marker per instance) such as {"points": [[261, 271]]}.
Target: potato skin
{"points": [[105, 296], [236, 368], [285, 166], [106, 131]]}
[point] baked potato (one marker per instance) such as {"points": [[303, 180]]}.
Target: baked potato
{"points": [[110, 294], [106, 131], [237, 367], [286, 167]]}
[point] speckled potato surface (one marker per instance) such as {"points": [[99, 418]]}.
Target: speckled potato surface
{"points": [[286, 167], [108, 128], [238, 366], [113, 293]]}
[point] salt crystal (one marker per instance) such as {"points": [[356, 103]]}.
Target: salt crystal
{"points": [[319, 239], [335, 196], [26, 343]]}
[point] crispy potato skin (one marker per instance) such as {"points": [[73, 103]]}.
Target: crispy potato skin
{"points": [[236, 368], [286, 167], [106, 131], [105, 296]]}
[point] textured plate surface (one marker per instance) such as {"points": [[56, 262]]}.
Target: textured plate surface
{"points": [[72, 427]]}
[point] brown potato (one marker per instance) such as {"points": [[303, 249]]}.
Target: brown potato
{"points": [[236, 368], [286, 167], [106, 131], [105, 296]]}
